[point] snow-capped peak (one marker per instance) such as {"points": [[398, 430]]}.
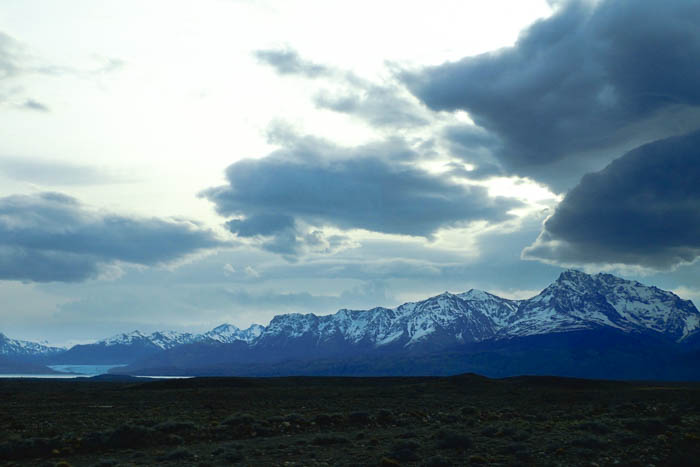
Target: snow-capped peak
{"points": [[161, 339], [575, 301], [124, 338], [168, 339], [228, 333], [476, 294], [19, 347]]}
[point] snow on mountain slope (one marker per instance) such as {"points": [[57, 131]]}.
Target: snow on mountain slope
{"points": [[14, 347], [225, 333], [499, 309], [649, 307], [575, 301], [161, 339], [580, 301], [228, 333], [445, 318], [169, 339]]}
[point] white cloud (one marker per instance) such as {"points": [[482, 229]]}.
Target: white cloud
{"points": [[251, 272]]}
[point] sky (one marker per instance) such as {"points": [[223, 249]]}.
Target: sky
{"points": [[178, 164]]}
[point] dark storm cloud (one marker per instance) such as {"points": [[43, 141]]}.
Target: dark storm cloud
{"points": [[475, 146], [382, 105], [643, 209], [263, 224], [373, 187], [379, 105], [52, 237], [592, 77]]}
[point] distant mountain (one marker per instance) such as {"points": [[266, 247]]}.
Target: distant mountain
{"points": [[122, 348], [17, 348], [579, 325], [160, 339], [24, 357], [578, 301], [575, 302], [128, 347], [21, 366], [228, 333]]}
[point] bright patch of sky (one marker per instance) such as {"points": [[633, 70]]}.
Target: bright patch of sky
{"points": [[134, 108]]}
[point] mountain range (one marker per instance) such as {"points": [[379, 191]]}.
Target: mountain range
{"points": [[581, 325]]}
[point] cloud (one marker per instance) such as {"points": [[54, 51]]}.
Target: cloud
{"points": [[31, 104], [366, 294], [288, 62], [379, 105], [53, 173], [250, 271], [17, 61], [384, 104], [53, 237], [100, 309], [475, 146], [641, 210], [9, 56], [313, 183], [593, 80]]}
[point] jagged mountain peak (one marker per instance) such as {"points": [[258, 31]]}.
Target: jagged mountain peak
{"points": [[476, 294], [573, 274], [226, 327], [574, 279], [578, 280], [228, 333], [161, 339], [10, 346], [124, 337], [575, 301]]}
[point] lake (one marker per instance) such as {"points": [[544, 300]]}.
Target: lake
{"points": [[85, 370], [79, 371], [71, 371]]}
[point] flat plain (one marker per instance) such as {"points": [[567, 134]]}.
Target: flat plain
{"points": [[459, 420]]}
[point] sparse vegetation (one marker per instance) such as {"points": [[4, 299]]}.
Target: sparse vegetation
{"points": [[452, 440], [327, 440], [409, 422], [405, 451]]}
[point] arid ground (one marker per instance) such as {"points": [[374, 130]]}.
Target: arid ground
{"points": [[461, 420]]}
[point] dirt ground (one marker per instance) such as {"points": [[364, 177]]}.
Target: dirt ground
{"points": [[461, 420]]}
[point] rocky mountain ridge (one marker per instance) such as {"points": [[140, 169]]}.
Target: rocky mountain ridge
{"points": [[15, 347], [575, 302]]}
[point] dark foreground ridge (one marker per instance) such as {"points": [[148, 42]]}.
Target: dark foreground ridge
{"points": [[420, 421]]}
